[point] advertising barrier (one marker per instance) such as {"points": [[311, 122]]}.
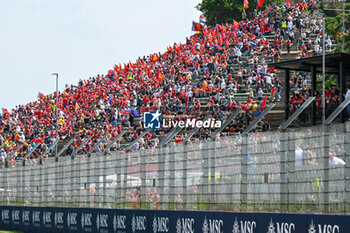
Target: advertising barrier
{"points": [[66, 219]]}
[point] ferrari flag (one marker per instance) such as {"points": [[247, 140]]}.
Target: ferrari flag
{"points": [[197, 27]]}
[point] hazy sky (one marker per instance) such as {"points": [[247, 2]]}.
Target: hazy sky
{"points": [[81, 38]]}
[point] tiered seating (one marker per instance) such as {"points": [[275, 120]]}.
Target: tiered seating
{"points": [[115, 102]]}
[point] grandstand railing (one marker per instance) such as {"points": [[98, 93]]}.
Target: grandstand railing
{"points": [[252, 172]]}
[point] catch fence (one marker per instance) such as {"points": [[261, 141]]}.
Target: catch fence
{"points": [[269, 171]]}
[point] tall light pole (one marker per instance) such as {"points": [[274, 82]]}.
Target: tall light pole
{"points": [[342, 41], [323, 71], [56, 109]]}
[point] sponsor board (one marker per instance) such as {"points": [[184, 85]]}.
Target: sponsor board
{"points": [[64, 219]]}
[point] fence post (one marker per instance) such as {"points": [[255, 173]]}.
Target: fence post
{"points": [[244, 172], [72, 181], [18, 183], [4, 184], [283, 172], [22, 185], [54, 191], [347, 167], [45, 190], [118, 165], [205, 182], [88, 181], [171, 157], [184, 175], [291, 169], [211, 151], [60, 183], [161, 167], [105, 182], [325, 138], [99, 181], [143, 180], [125, 181]]}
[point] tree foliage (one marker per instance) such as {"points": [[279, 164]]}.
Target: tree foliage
{"points": [[334, 27], [222, 11]]}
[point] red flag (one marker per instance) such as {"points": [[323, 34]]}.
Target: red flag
{"points": [[219, 27], [41, 95], [149, 73], [288, 2], [246, 4], [271, 70], [5, 111], [263, 105], [131, 65], [260, 2], [197, 26], [159, 76], [126, 69], [154, 58], [116, 68], [235, 23]]}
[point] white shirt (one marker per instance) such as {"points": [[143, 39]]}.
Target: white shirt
{"points": [[298, 157], [223, 85], [268, 79], [336, 161], [347, 94]]}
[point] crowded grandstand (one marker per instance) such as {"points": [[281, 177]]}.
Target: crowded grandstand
{"points": [[218, 70]]}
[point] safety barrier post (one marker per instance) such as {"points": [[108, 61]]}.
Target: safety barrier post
{"points": [[291, 171], [193, 131], [13, 155], [258, 119], [184, 175], [297, 113], [143, 179], [46, 152], [125, 181], [63, 149], [129, 147], [118, 191], [29, 153], [114, 141], [325, 138], [80, 147], [225, 123], [97, 144], [161, 170], [347, 167], [205, 182], [244, 172], [283, 171], [211, 151], [171, 159]]}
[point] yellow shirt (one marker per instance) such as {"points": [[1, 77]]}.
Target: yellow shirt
{"points": [[284, 24]]}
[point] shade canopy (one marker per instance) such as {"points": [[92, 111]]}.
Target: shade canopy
{"points": [[304, 64]]}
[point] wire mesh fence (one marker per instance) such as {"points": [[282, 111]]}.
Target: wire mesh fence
{"points": [[300, 171]]}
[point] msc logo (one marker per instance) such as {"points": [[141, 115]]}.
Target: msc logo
{"points": [[214, 226], [323, 228], [160, 224], [283, 227], [151, 120], [246, 226], [185, 225]]}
